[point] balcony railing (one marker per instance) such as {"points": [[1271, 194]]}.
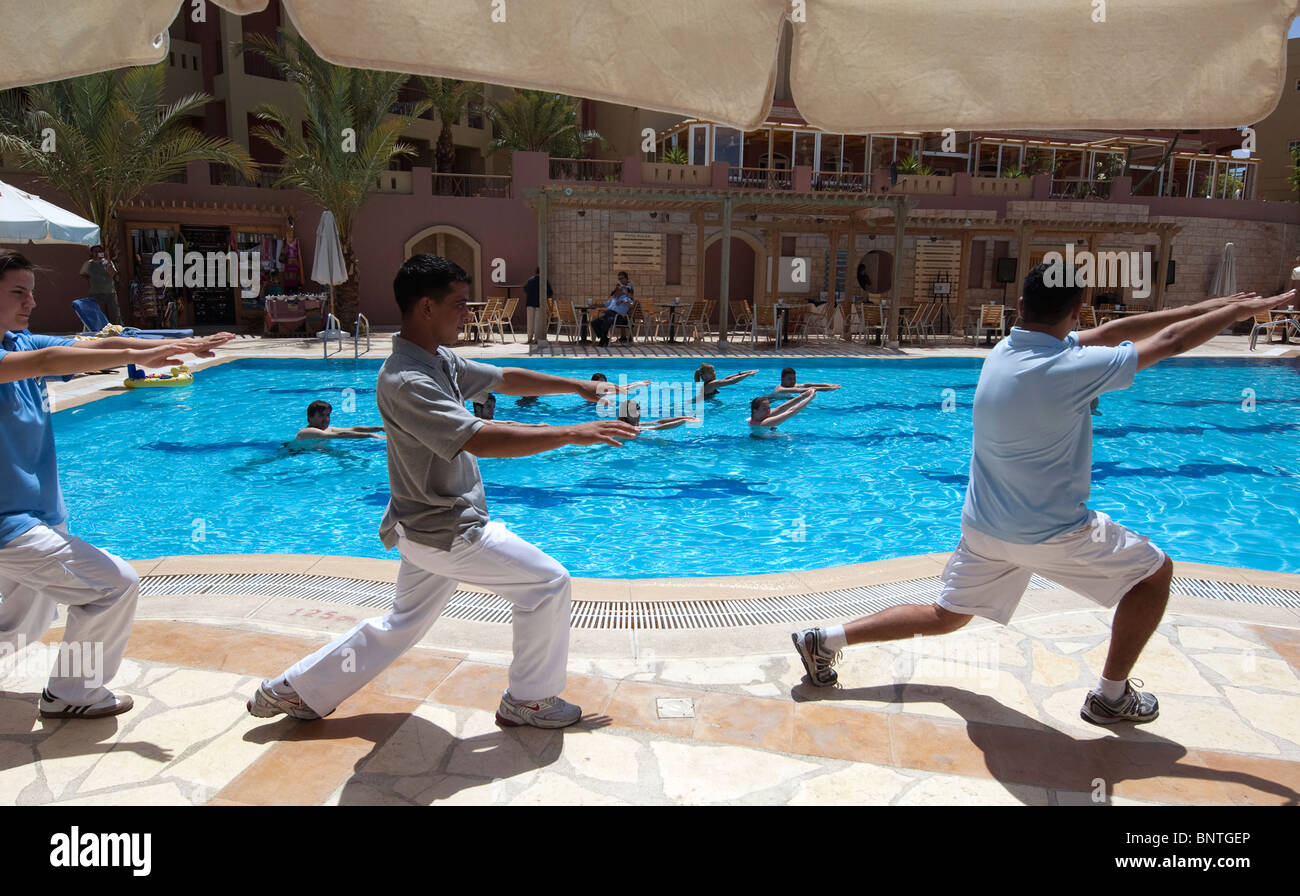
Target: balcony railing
{"points": [[666, 173], [841, 181], [1019, 187], [486, 186], [760, 178], [225, 176], [926, 184], [609, 171], [1079, 188], [393, 182]]}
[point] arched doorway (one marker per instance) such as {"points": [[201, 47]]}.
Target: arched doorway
{"points": [[878, 266], [746, 252], [453, 244]]}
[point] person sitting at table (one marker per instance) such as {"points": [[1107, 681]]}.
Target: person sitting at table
{"points": [[276, 288], [619, 305], [788, 385], [318, 426], [763, 421], [711, 384], [630, 413]]}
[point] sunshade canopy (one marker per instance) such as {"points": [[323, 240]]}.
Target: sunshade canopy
{"points": [[28, 218], [856, 65]]}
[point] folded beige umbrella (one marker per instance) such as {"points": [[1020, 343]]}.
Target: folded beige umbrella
{"points": [[857, 65]]}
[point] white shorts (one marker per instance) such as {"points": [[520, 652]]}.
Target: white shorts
{"points": [[987, 576]]}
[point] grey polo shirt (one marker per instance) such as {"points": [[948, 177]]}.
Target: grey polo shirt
{"points": [[436, 490]]}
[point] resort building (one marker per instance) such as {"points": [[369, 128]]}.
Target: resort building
{"points": [[709, 213]]}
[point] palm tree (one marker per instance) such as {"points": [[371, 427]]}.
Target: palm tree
{"points": [[537, 121], [103, 139], [350, 136], [449, 98]]}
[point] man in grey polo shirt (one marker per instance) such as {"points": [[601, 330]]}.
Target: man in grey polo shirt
{"points": [[437, 515]]}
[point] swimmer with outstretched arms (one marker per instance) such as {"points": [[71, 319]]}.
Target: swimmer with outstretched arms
{"points": [[764, 421]]}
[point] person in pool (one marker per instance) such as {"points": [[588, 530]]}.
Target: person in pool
{"points": [[318, 426], [485, 408], [764, 421], [790, 387], [630, 413], [608, 391], [711, 384]]}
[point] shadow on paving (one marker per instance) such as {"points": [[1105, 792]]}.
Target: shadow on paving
{"points": [[1026, 751], [62, 738], [409, 747]]}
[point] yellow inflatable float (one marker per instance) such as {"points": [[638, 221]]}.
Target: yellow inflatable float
{"points": [[178, 376]]}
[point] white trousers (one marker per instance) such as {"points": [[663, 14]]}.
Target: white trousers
{"points": [[46, 566], [538, 319], [536, 584]]}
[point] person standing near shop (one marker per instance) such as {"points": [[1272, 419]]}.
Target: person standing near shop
{"points": [[101, 273]]}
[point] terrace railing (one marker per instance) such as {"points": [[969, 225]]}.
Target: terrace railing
{"points": [[1002, 186], [841, 181], [484, 186], [929, 184], [224, 176], [666, 173], [393, 182], [760, 178], [1079, 188], [601, 170]]}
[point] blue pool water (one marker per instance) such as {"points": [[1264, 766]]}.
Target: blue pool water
{"points": [[1203, 456]]}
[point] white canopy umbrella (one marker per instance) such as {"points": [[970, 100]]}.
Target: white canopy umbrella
{"points": [[883, 65], [1225, 279], [27, 218], [327, 264]]}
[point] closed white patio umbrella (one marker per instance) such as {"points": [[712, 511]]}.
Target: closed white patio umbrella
{"points": [[26, 218], [855, 66], [327, 264], [1225, 278]]}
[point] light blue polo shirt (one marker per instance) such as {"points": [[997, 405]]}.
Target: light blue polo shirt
{"points": [[29, 492], [1031, 467]]}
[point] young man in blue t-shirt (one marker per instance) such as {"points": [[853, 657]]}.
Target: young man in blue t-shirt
{"points": [[41, 565], [1030, 475]]}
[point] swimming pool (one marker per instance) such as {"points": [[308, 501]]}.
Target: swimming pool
{"points": [[1202, 455]]}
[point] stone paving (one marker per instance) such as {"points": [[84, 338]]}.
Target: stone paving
{"points": [[986, 716]]}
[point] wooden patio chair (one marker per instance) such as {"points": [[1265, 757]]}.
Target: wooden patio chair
{"points": [[992, 318]]}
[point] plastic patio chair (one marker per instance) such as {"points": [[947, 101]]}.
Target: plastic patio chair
{"points": [[93, 320]]}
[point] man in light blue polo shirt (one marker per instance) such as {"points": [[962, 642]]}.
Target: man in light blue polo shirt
{"points": [[1030, 475], [41, 565]]}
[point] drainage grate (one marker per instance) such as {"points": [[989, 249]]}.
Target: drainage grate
{"points": [[478, 606]]}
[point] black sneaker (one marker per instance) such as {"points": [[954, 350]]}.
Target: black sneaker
{"points": [[1134, 706], [817, 660], [52, 707]]}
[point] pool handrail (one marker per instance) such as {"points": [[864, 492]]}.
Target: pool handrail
{"points": [[362, 321], [333, 327]]}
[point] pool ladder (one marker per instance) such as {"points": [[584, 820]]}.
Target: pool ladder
{"points": [[363, 326]]}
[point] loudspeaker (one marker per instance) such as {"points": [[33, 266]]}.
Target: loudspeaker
{"points": [[1005, 270], [1169, 277]]}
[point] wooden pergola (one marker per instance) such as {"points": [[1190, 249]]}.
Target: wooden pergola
{"points": [[838, 215], [785, 212]]}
